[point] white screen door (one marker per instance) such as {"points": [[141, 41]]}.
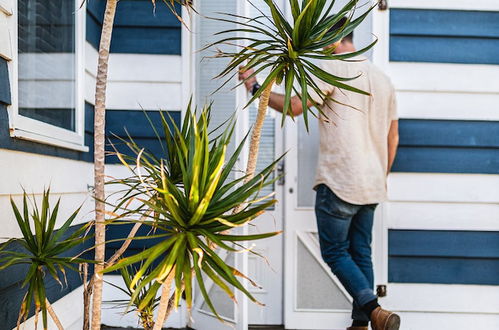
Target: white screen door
{"points": [[314, 299]]}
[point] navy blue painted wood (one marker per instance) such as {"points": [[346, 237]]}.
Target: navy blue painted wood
{"points": [[449, 257], [4, 83], [461, 23], [448, 146], [11, 293], [444, 50], [121, 231], [443, 270], [141, 40], [93, 30], [449, 133], [135, 122], [445, 36], [441, 243], [143, 13], [138, 28], [447, 160]]}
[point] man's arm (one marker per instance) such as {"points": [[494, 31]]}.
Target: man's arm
{"points": [[393, 142], [276, 100]]}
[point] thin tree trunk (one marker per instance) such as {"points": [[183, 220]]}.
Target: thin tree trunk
{"points": [[257, 132], [255, 136], [53, 315], [164, 301], [99, 141]]}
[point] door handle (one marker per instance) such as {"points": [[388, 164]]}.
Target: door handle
{"points": [[280, 173]]}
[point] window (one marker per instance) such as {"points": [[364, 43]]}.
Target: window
{"points": [[48, 103]]}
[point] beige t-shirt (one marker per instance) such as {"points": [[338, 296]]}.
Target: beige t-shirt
{"points": [[353, 154]]}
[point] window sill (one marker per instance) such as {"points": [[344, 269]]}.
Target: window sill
{"points": [[30, 136]]}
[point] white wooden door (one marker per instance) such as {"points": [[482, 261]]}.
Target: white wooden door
{"points": [[439, 86]]}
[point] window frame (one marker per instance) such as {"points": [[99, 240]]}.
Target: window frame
{"points": [[23, 127]]}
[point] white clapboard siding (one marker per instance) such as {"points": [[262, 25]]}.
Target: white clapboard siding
{"points": [[446, 4], [442, 215], [440, 187], [443, 298], [137, 81], [34, 173]]}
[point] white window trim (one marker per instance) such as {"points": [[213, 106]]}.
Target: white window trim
{"points": [[23, 127]]}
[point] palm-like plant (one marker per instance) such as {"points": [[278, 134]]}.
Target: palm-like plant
{"points": [[194, 214], [288, 50], [99, 153], [42, 252]]}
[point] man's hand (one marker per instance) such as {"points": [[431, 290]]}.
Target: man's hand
{"points": [[244, 75]]}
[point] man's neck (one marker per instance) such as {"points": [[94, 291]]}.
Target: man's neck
{"points": [[345, 47]]}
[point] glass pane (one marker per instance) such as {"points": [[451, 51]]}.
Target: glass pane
{"points": [[47, 61], [308, 151], [315, 289]]}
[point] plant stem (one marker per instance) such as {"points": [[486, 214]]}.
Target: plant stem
{"points": [[53, 315], [257, 132], [255, 137], [164, 301], [99, 160], [86, 298]]}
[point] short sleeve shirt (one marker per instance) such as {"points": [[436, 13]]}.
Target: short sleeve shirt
{"points": [[353, 131]]}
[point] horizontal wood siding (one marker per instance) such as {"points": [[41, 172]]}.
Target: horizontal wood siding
{"points": [[119, 122], [447, 257], [139, 28], [448, 146], [444, 36]]}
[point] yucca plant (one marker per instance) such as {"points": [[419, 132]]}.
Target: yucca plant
{"points": [[144, 311], [287, 50], [99, 153], [42, 250], [194, 213]]}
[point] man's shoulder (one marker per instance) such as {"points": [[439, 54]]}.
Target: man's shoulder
{"points": [[379, 75]]}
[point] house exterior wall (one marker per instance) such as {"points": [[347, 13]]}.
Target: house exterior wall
{"points": [[441, 217]]}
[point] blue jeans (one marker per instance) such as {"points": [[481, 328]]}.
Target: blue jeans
{"points": [[345, 235]]}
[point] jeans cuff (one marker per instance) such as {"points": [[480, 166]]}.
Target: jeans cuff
{"points": [[364, 296]]}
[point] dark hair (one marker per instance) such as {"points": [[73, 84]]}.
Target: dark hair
{"points": [[340, 24]]}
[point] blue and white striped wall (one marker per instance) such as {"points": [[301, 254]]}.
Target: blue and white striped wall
{"points": [[442, 219], [149, 71]]}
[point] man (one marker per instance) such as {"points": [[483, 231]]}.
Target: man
{"points": [[358, 142]]}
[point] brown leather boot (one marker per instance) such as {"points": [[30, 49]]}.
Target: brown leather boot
{"points": [[384, 320], [357, 328]]}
